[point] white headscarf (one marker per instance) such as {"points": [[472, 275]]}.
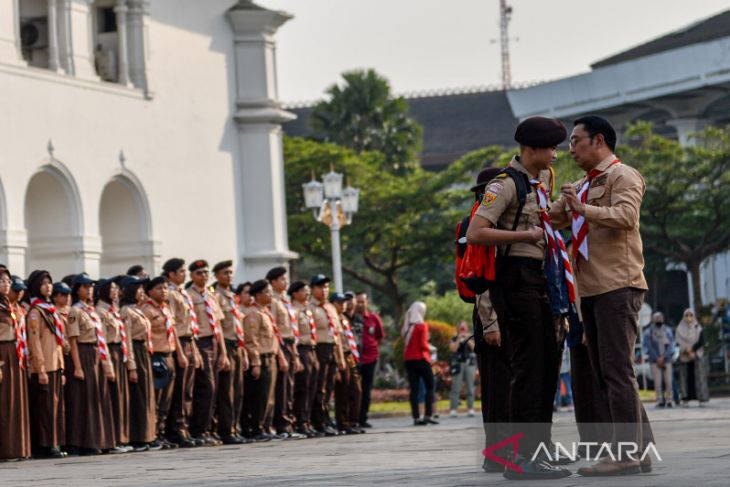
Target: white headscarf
{"points": [[415, 314]]}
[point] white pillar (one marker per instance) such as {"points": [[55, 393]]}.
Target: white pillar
{"points": [[137, 52], [54, 62], [122, 48], [65, 51], [82, 48], [336, 252], [259, 175], [10, 33], [686, 127]]}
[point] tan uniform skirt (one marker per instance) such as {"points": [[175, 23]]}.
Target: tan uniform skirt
{"points": [[119, 393], [87, 402], [14, 414], [142, 405]]}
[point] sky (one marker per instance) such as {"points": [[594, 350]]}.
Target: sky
{"points": [[422, 45]]}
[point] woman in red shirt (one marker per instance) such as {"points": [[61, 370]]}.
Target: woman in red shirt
{"points": [[417, 355]]}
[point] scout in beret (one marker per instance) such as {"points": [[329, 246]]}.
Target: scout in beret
{"points": [[258, 287], [514, 225], [295, 286], [198, 264], [222, 265], [153, 283]]}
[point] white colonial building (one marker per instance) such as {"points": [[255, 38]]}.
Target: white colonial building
{"points": [[134, 131]]}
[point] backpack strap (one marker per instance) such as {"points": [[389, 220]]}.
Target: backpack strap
{"points": [[523, 188]]}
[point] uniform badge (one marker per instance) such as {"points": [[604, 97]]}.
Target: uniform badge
{"points": [[599, 181], [491, 192], [488, 199]]}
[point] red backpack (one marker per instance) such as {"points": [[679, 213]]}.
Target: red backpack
{"points": [[476, 263]]}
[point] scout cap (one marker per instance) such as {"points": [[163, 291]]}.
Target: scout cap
{"points": [[275, 273], [337, 298], [222, 265], [318, 280], [60, 287], [540, 132], [197, 264], [151, 284], [82, 279]]}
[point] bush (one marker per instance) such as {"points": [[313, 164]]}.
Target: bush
{"points": [[448, 308]]}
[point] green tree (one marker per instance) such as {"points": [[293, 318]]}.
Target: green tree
{"points": [[685, 215], [363, 115], [403, 234], [448, 308]]}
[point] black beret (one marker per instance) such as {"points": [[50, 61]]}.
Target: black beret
{"points": [[258, 286], [337, 298], [484, 176], [134, 270], [540, 132], [222, 265], [61, 288], [295, 286], [173, 265], [318, 280], [197, 264], [275, 273], [152, 283], [242, 286], [17, 284]]}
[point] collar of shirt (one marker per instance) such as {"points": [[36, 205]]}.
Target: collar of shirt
{"points": [[103, 305], [604, 164], [224, 291]]}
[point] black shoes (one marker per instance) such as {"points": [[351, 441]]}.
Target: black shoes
{"points": [[263, 437], [231, 440], [365, 424], [154, 446], [534, 470], [419, 422], [490, 466]]}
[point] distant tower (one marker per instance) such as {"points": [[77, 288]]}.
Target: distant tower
{"points": [[505, 15]]}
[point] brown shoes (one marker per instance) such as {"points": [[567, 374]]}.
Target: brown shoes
{"points": [[646, 465], [607, 467]]}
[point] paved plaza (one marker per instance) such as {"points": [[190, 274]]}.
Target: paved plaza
{"points": [[694, 444]]}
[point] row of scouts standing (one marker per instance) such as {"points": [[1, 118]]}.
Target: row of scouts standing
{"points": [[134, 363], [548, 293]]}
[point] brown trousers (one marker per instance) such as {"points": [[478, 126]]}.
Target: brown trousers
{"points": [[258, 398], [181, 408], [325, 384], [119, 394], [230, 392], [284, 407], [163, 397], [305, 384], [14, 414], [206, 381], [348, 394], [611, 324], [142, 417], [592, 416]]}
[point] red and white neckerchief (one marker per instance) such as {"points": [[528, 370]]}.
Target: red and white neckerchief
{"points": [[168, 321], [265, 310], [193, 317], [100, 338], [57, 322], [209, 310], [21, 339], [312, 325], [579, 225], [331, 328], [556, 245], [293, 319], [237, 321], [122, 331], [350, 338]]}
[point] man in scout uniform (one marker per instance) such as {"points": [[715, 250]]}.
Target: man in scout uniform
{"points": [[263, 345], [348, 388], [230, 383], [306, 380], [165, 345], [211, 347], [519, 294], [187, 329], [329, 352], [603, 210], [286, 319]]}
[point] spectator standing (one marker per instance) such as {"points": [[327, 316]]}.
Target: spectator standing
{"points": [[659, 342], [369, 327], [692, 365], [463, 369]]}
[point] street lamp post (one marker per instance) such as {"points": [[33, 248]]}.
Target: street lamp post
{"points": [[334, 207]]}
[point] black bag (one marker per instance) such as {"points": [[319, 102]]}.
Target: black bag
{"points": [[455, 368], [160, 372]]}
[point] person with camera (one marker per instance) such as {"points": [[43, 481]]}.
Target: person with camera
{"points": [[462, 368]]}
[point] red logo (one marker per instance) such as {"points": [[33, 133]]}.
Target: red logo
{"points": [[513, 440]]}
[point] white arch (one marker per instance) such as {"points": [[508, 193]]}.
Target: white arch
{"points": [[64, 177], [133, 183]]}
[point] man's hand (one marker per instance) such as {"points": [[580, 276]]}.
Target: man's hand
{"points": [[244, 363], [256, 372], [493, 338], [78, 374], [571, 198], [660, 362], [298, 367], [283, 365], [224, 364], [133, 376], [110, 376], [341, 365], [534, 235], [182, 360]]}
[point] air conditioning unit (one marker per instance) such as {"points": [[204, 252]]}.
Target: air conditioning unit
{"points": [[34, 32]]}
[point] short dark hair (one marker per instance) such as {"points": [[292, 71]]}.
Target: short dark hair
{"points": [[595, 125], [134, 270]]}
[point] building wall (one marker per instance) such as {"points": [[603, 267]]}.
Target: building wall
{"points": [[174, 190]]}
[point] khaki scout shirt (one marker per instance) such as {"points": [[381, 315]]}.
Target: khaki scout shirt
{"points": [[344, 322], [45, 354], [304, 316], [487, 314], [280, 312], [7, 327], [180, 311], [613, 206], [500, 205], [226, 302], [82, 326], [161, 342], [113, 326], [323, 313], [138, 326], [198, 298], [260, 335]]}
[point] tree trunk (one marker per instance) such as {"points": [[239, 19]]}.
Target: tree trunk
{"points": [[693, 267]]}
